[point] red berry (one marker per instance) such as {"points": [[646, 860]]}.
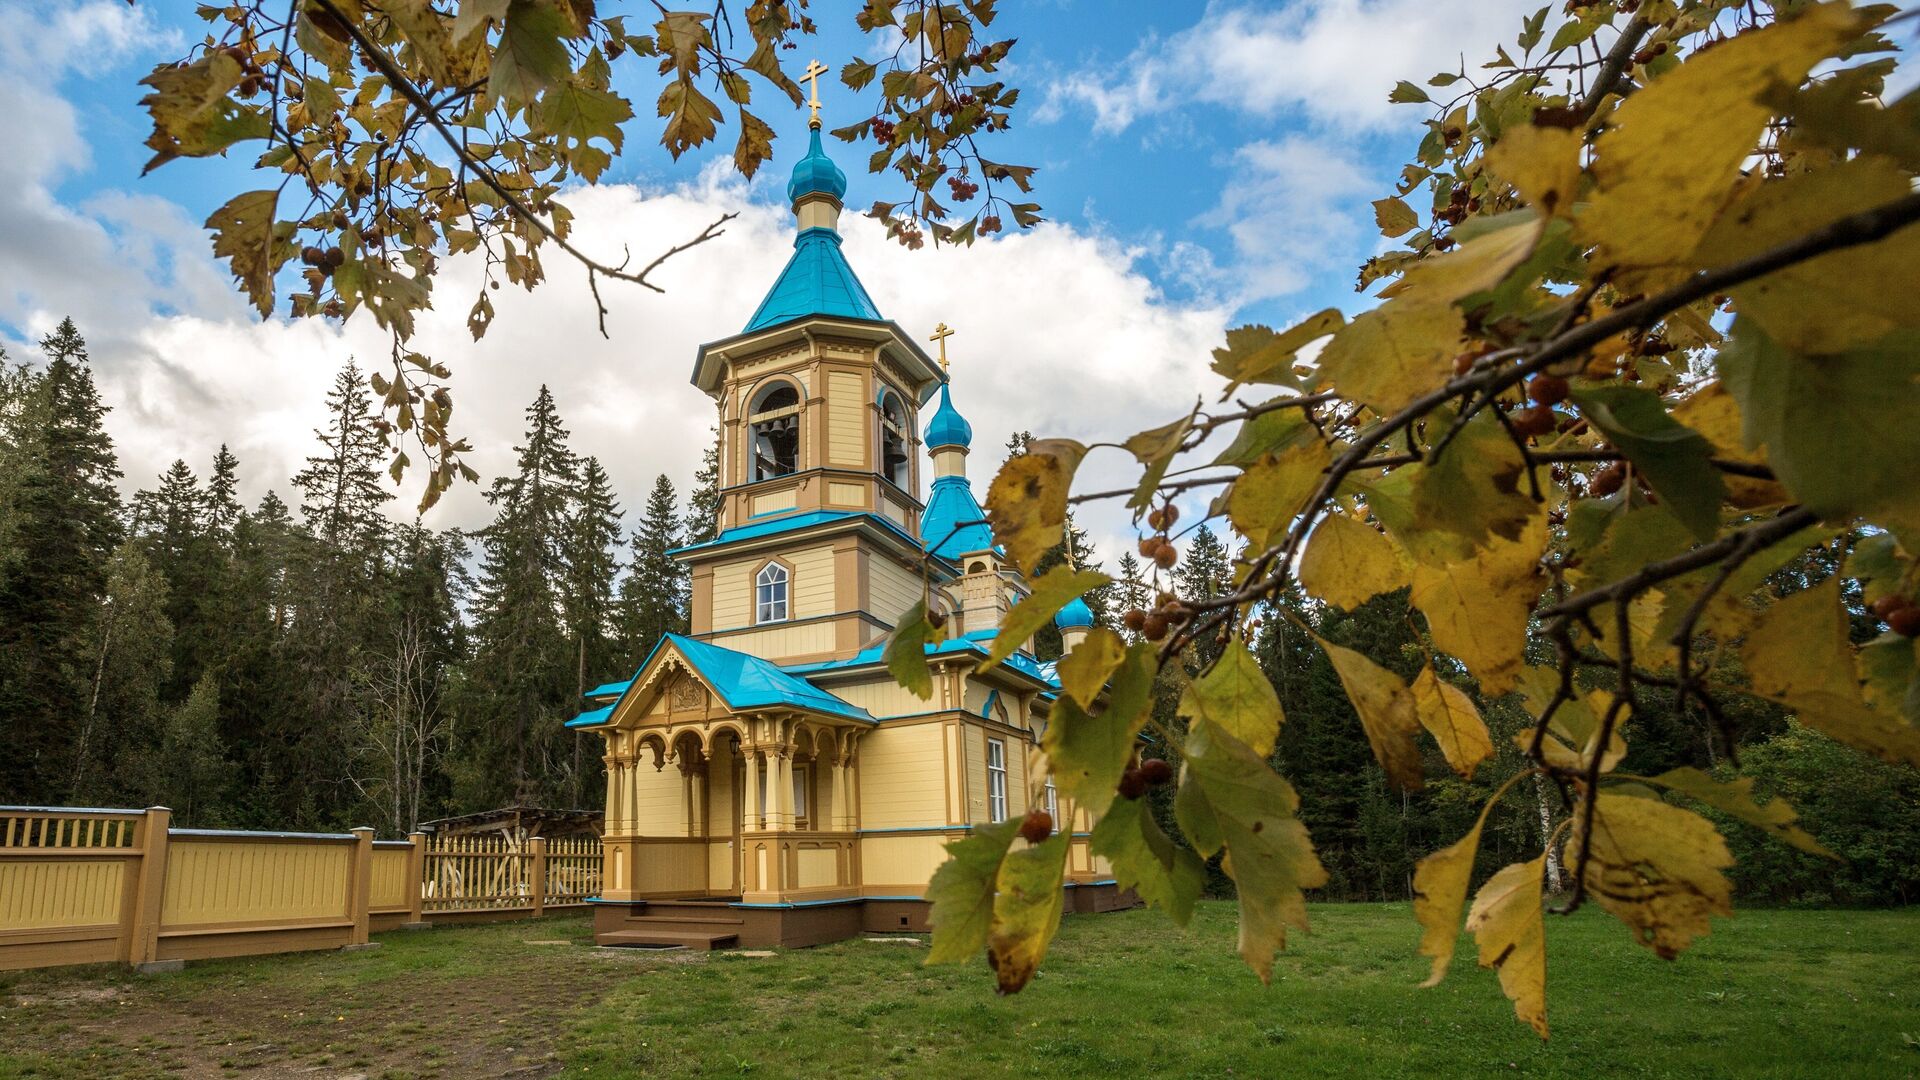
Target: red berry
{"points": [[1165, 555], [1548, 389], [1888, 604], [1133, 784], [1149, 545], [1905, 622], [1155, 771], [1135, 620], [1607, 480], [1037, 826], [1533, 422], [1155, 627]]}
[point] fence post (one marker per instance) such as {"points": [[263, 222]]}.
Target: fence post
{"points": [[360, 883], [143, 937], [417, 867], [539, 876]]}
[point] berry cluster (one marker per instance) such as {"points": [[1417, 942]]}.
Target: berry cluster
{"points": [[1459, 205], [255, 78], [1900, 613], [1150, 773], [990, 224], [962, 188], [883, 130], [1545, 391], [911, 236]]}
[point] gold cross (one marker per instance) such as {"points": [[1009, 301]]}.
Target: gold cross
{"points": [[940, 334], [815, 69]]}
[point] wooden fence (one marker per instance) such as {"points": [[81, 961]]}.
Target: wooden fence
{"points": [[84, 886]]}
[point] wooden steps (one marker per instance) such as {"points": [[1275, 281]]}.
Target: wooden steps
{"points": [[700, 940]]}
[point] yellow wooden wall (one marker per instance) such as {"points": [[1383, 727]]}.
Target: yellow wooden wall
{"points": [[891, 589], [846, 420], [660, 799], [811, 587], [219, 880], [902, 781]]}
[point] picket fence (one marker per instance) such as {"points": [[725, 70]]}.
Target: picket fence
{"points": [[84, 886]]}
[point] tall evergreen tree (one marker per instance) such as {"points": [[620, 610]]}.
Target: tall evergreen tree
{"points": [[522, 685], [703, 502], [653, 595], [189, 771], [335, 576], [1132, 591], [591, 549], [222, 499], [255, 608], [64, 511]]}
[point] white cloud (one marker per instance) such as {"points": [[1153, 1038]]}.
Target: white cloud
{"points": [[1058, 333], [1289, 210], [1332, 61]]}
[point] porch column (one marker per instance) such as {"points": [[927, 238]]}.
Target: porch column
{"points": [[826, 772], [785, 798], [750, 798], [697, 781]]}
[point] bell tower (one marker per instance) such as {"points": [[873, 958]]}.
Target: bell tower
{"points": [[819, 398]]}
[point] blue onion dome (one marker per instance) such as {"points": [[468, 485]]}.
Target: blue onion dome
{"points": [[816, 173], [948, 427], [1075, 616]]}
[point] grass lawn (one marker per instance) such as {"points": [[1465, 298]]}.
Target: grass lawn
{"points": [[1770, 993]]}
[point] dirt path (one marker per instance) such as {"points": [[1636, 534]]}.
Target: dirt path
{"points": [[475, 1001]]}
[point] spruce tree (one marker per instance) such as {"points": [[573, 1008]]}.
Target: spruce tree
{"points": [[257, 684], [522, 684], [703, 502], [653, 596], [222, 502], [64, 512], [335, 576], [591, 548], [1132, 591]]}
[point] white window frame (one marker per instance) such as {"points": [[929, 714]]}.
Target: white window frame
{"points": [[996, 780], [894, 423], [1053, 804], [769, 605]]}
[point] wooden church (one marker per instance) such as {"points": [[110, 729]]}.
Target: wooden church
{"points": [[767, 781]]}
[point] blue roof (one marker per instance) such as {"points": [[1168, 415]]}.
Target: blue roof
{"points": [[978, 642], [788, 523], [953, 523], [612, 689], [1075, 616], [817, 281], [948, 427], [816, 173], [743, 682]]}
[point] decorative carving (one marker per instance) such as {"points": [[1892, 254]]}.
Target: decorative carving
{"points": [[687, 693]]}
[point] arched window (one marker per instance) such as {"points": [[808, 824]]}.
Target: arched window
{"points": [[894, 441], [774, 420], [977, 567], [770, 594]]}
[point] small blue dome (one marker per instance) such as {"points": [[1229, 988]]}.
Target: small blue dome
{"points": [[816, 173], [1075, 616], [948, 427]]}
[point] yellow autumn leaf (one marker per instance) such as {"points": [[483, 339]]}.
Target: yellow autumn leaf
{"points": [[1027, 501], [1028, 899], [1735, 797], [1405, 347], [1083, 671], [1477, 608], [1818, 306], [1236, 695], [1349, 562], [1713, 413], [1229, 798], [1672, 150], [1387, 713], [1657, 868], [1507, 925], [1799, 655], [1543, 165], [1267, 497], [1450, 716], [1440, 893], [1573, 734]]}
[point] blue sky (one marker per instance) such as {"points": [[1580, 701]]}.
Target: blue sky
{"points": [[1200, 166]]}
